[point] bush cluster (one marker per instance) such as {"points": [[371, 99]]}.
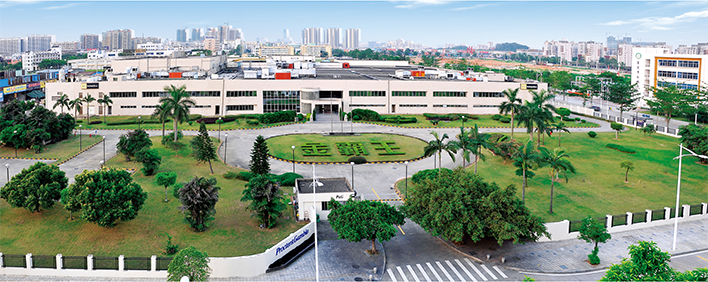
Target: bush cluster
{"points": [[592, 134], [593, 258], [398, 119], [282, 116], [35, 125], [621, 148], [230, 175], [505, 120], [252, 122], [497, 117], [448, 117], [285, 179], [212, 120], [366, 114], [497, 137], [420, 176]]}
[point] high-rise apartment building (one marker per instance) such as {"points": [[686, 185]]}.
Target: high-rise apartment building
{"points": [[67, 46], [613, 43], [196, 35], [118, 39], [591, 51], [562, 49], [657, 67], [11, 46], [333, 37], [182, 35], [37, 43], [312, 35], [211, 43], [352, 37], [89, 41]]}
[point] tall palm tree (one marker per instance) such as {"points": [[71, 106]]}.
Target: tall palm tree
{"points": [[62, 102], [527, 116], [161, 113], [105, 101], [543, 111], [438, 145], [463, 143], [559, 127], [76, 104], [177, 104], [477, 142], [557, 161], [525, 159], [88, 101], [512, 105]]}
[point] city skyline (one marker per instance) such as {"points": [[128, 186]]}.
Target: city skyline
{"points": [[429, 22]]}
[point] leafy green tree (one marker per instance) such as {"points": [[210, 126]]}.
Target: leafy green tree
{"points": [[177, 104], [592, 231], [695, 138], [104, 196], [624, 94], [88, 99], [199, 197], [617, 127], [189, 262], [670, 100], [104, 102], [557, 161], [15, 136], [559, 128], [512, 106], [649, 128], [647, 263], [438, 145], [526, 158], [166, 179], [267, 202], [202, 148], [259, 156], [563, 112], [131, 143], [35, 188], [151, 160], [459, 203], [358, 220], [629, 166], [62, 103]]}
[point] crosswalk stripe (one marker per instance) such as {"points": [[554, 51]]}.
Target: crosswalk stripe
{"points": [[455, 270], [465, 269], [500, 272], [489, 271], [476, 270], [433, 270], [390, 273], [444, 271], [413, 273], [423, 271], [403, 275]]}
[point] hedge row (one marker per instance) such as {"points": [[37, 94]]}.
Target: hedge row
{"points": [[192, 117], [398, 119], [285, 179], [364, 114], [621, 148], [430, 116], [282, 116], [212, 120]]}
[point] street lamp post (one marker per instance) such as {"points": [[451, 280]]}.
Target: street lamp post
{"points": [[104, 149], [141, 121], [80, 147], [226, 144], [406, 162], [8, 172], [678, 187], [463, 121], [101, 166], [14, 133], [220, 121], [352, 163], [293, 147]]}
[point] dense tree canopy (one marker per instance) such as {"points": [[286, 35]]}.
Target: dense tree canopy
{"points": [[358, 220], [35, 188], [199, 197], [695, 138], [35, 125], [266, 199], [189, 262], [131, 143]]}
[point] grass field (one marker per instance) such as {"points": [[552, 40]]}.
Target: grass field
{"points": [[598, 188], [237, 124], [280, 146], [60, 150], [482, 121], [233, 232]]}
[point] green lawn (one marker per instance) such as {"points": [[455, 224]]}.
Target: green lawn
{"points": [[237, 124], [233, 232], [280, 146], [598, 188], [60, 150], [482, 121]]}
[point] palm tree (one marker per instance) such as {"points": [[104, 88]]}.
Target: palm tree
{"points": [[88, 101], [105, 101], [477, 142], [438, 145], [556, 160], [462, 143], [525, 158], [527, 116], [76, 104], [649, 128], [558, 127], [62, 102], [543, 111], [513, 106], [161, 113], [177, 104]]}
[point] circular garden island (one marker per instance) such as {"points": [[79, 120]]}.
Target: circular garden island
{"points": [[319, 148]]}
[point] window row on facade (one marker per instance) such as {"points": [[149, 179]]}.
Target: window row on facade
{"points": [[296, 93], [367, 93], [679, 63], [677, 74], [677, 85]]}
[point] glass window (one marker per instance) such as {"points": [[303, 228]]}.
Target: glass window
{"points": [[281, 100], [450, 94], [367, 93], [408, 93], [244, 93], [123, 94], [488, 94], [240, 107]]}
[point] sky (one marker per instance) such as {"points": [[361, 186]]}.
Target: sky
{"points": [[429, 22]]}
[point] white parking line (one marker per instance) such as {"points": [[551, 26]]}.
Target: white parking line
{"points": [[465, 269], [455, 270], [476, 270], [500, 272], [420, 267], [403, 275], [412, 273], [489, 271], [444, 271], [433, 270], [390, 273]]}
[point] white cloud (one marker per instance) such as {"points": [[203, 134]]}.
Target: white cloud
{"points": [[60, 7], [412, 4], [661, 23], [473, 7]]}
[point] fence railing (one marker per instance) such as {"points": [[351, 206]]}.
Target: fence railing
{"points": [[105, 263]]}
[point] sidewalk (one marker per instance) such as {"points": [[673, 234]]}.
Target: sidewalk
{"points": [[570, 256]]}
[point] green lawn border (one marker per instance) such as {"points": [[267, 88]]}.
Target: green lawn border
{"points": [[340, 163], [52, 159]]}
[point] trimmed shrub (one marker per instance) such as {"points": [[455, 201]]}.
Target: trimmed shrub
{"points": [[577, 119], [593, 258], [497, 137], [505, 120], [398, 119], [175, 189], [300, 117], [418, 177], [568, 119], [621, 148], [212, 120], [245, 175], [497, 117], [357, 160], [366, 114], [583, 121], [96, 122], [80, 121], [252, 122], [171, 136], [282, 116], [356, 117], [592, 134], [287, 179], [230, 175]]}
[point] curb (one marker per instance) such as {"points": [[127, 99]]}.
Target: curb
{"points": [[448, 127], [35, 159], [79, 153]]}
